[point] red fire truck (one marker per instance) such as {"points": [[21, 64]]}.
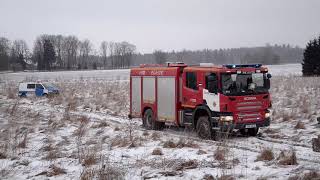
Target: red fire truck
{"points": [[210, 98]]}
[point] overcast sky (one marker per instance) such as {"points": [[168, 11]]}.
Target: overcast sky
{"points": [[165, 24]]}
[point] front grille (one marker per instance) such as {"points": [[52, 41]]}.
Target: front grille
{"points": [[249, 106], [249, 111]]}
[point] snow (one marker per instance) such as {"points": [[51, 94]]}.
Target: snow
{"points": [[89, 119]]}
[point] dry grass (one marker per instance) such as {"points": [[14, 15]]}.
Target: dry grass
{"points": [[11, 92], [3, 155], [312, 175], [90, 158], [286, 117], [145, 133], [287, 158], [157, 151], [186, 143], [180, 144], [51, 155], [55, 171], [208, 177], [271, 131], [316, 144], [100, 125], [220, 153], [189, 164], [82, 129], [52, 151], [107, 172], [120, 141], [299, 125], [226, 177], [155, 136], [266, 155], [88, 174], [169, 144], [200, 152], [23, 143]]}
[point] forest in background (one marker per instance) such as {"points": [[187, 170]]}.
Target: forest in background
{"points": [[58, 52]]}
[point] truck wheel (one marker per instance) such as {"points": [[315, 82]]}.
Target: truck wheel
{"points": [[204, 128], [253, 131], [149, 121]]}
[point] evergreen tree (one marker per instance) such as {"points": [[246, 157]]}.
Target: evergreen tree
{"points": [[48, 54], [311, 58]]}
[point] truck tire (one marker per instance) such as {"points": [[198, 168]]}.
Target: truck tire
{"points": [[204, 128], [149, 121]]}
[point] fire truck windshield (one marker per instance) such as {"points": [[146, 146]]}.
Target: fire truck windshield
{"points": [[244, 84]]}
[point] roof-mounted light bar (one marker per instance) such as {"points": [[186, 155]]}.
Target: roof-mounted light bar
{"points": [[233, 66]]}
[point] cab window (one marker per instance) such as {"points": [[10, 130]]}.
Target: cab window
{"points": [[191, 80]]}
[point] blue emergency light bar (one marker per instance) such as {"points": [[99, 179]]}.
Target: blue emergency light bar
{"points": [[233, 66]]}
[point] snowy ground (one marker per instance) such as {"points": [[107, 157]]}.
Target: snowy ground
{"points": [[84, 133]]}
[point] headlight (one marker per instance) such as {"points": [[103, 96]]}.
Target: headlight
{"points": [[226, 118], [267, 115]]}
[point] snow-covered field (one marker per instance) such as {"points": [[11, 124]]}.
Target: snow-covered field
{"points": [[84, 134]]}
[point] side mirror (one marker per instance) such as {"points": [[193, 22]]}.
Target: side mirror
{"points": [[269, 76], [267, 83]]}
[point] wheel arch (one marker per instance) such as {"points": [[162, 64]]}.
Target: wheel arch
{"points": [[201, 110], [145, 109]]}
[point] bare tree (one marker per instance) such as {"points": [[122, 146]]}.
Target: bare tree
{"points": [[160, 56], [20, 53], [4, 53], [70, 47], [58, 45], [122, 54], [85, 48], [104, 50], [112, 46]]}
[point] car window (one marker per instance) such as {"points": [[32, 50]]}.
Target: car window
{"points": [[39, 86], [30, 86]]}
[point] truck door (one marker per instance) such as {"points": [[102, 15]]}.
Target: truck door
{"points": [[190, 90]]}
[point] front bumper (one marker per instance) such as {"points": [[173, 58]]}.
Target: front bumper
{"points": [[230, 126]]}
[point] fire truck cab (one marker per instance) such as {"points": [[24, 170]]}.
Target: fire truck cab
{"points": [[210, 98]]}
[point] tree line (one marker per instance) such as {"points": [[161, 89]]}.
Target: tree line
{"points": [[58, 52], [268, 54]]}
